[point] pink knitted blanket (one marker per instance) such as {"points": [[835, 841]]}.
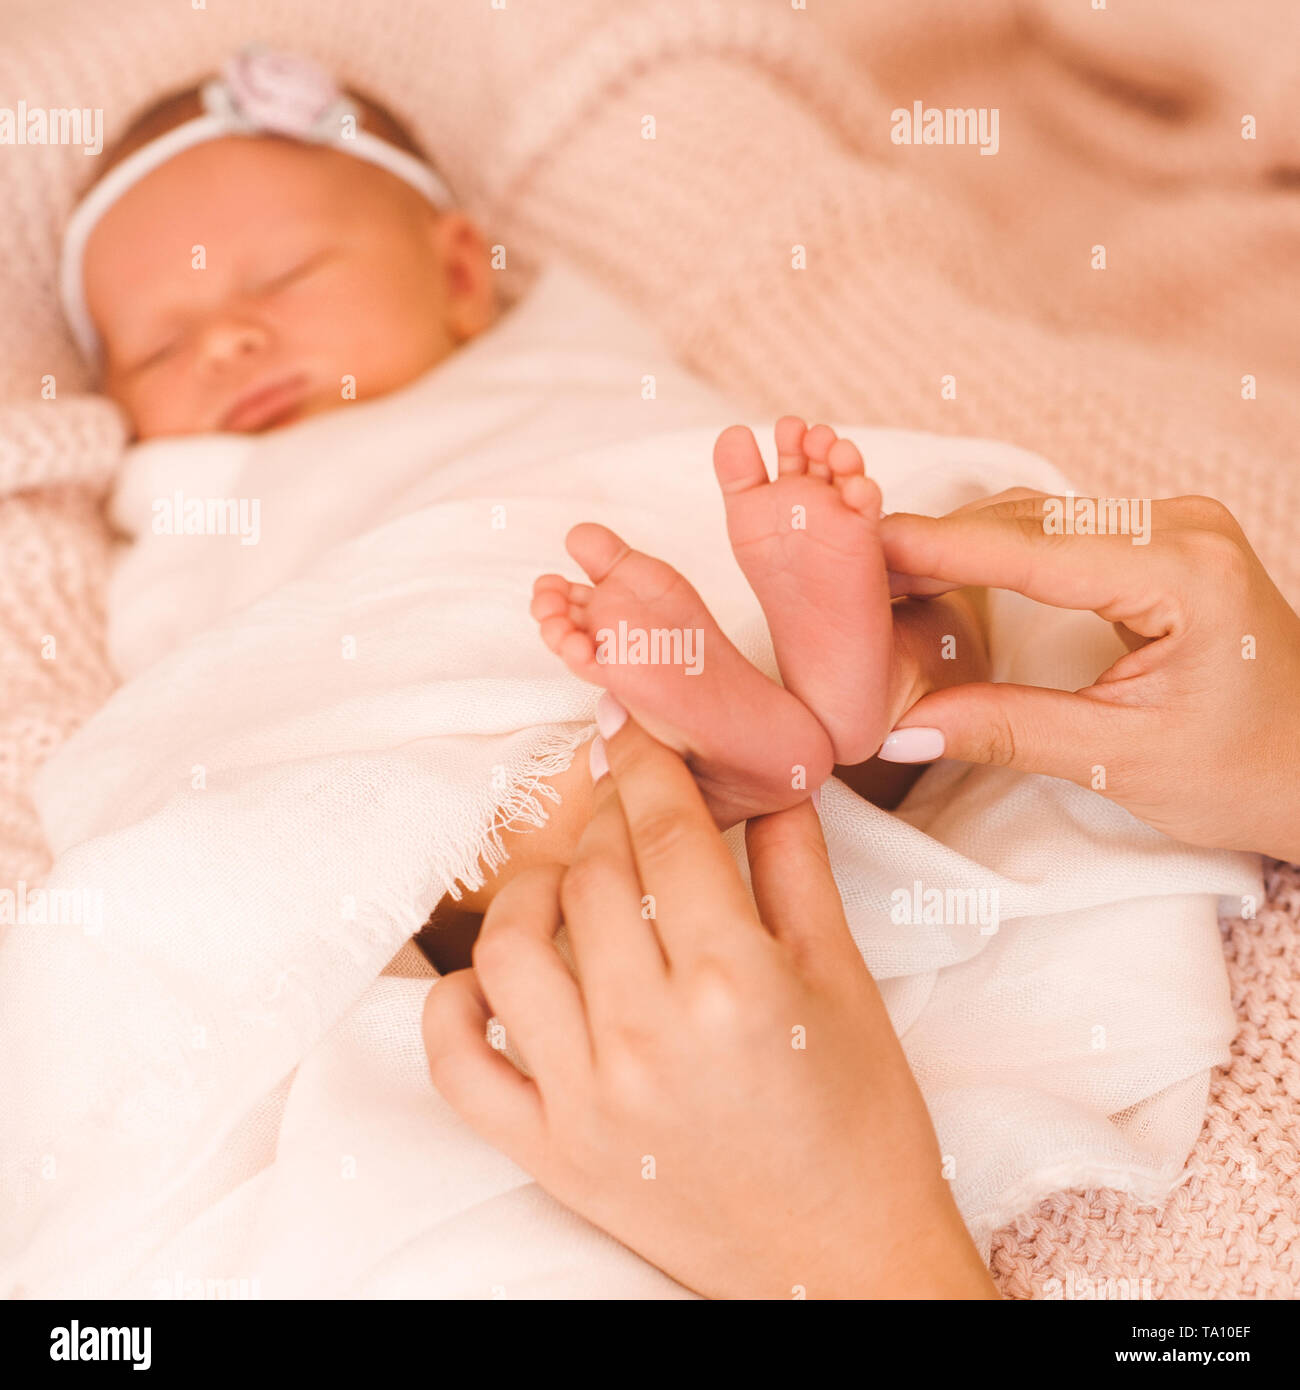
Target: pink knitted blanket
{"points": [[1109, 290]]}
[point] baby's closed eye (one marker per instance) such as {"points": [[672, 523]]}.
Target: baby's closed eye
{"points": [[298, 270], [157, 355], [164, 348]]}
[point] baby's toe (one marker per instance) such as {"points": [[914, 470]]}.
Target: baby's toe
{"points": [[817, 443], [596, 548], [548, 603], [789, 435], [862, 494], [554, 596], [555, 629], [737, 463], [844, 459], [576, 650]]}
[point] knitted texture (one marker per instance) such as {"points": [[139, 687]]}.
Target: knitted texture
{"points": [[1230, 1231], [54, 464], [790, 252]]}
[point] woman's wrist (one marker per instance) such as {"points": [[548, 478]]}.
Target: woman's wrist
{"points": [[1285, 844], [933, 1258]]}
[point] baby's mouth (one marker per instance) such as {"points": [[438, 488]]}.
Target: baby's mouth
{"points": [[267, 407]]}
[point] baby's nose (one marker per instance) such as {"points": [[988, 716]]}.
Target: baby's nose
{"points": [[229, 340]]}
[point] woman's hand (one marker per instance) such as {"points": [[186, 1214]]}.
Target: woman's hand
{"points": [[719, 1089], [1196, 730]]}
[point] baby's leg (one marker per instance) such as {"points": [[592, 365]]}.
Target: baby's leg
{"points": [[641, 631]]}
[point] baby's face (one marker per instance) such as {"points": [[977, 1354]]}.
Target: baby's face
{"points": [[243, 284]]}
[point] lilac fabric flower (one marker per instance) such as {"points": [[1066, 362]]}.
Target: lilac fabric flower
{"points": [[280, 92]]}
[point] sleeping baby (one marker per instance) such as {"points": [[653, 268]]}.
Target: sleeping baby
{"points": [[265, 249], [349, 723]]}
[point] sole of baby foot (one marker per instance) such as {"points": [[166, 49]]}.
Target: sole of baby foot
{"points": [[808, 542], [642, 632]]}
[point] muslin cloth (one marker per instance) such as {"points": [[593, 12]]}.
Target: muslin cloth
{"points": [[323, 733]]}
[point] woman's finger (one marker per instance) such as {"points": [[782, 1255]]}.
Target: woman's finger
{"points": [[1033, 730], [790, 873], [485, 1088], [526, 983], [696, 895], [609, 918], [902, 584], [918, 586], [1008, 546]]}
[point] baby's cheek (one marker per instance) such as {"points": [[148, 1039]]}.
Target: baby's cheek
{"points": [[165, 402], [381, 334]]}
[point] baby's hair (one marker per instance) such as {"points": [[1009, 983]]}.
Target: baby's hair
{"points": [[177, 107]]}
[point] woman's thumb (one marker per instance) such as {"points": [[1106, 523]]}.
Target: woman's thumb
{"points": [[1021, 726]]}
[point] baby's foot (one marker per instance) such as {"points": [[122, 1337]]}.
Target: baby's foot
{"points": [[643, 633], [809, 545]]}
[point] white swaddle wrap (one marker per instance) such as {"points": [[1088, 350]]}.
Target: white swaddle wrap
{"points": [[211, 1081]]}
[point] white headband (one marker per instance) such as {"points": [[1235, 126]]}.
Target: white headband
{"points": [[259, 93]]}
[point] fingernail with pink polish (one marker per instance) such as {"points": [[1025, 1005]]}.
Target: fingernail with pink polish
{"points": [[610, 715], [597, 760], [917, 745]]}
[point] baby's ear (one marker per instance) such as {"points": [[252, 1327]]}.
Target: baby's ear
{"points": [[468, 278]]}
